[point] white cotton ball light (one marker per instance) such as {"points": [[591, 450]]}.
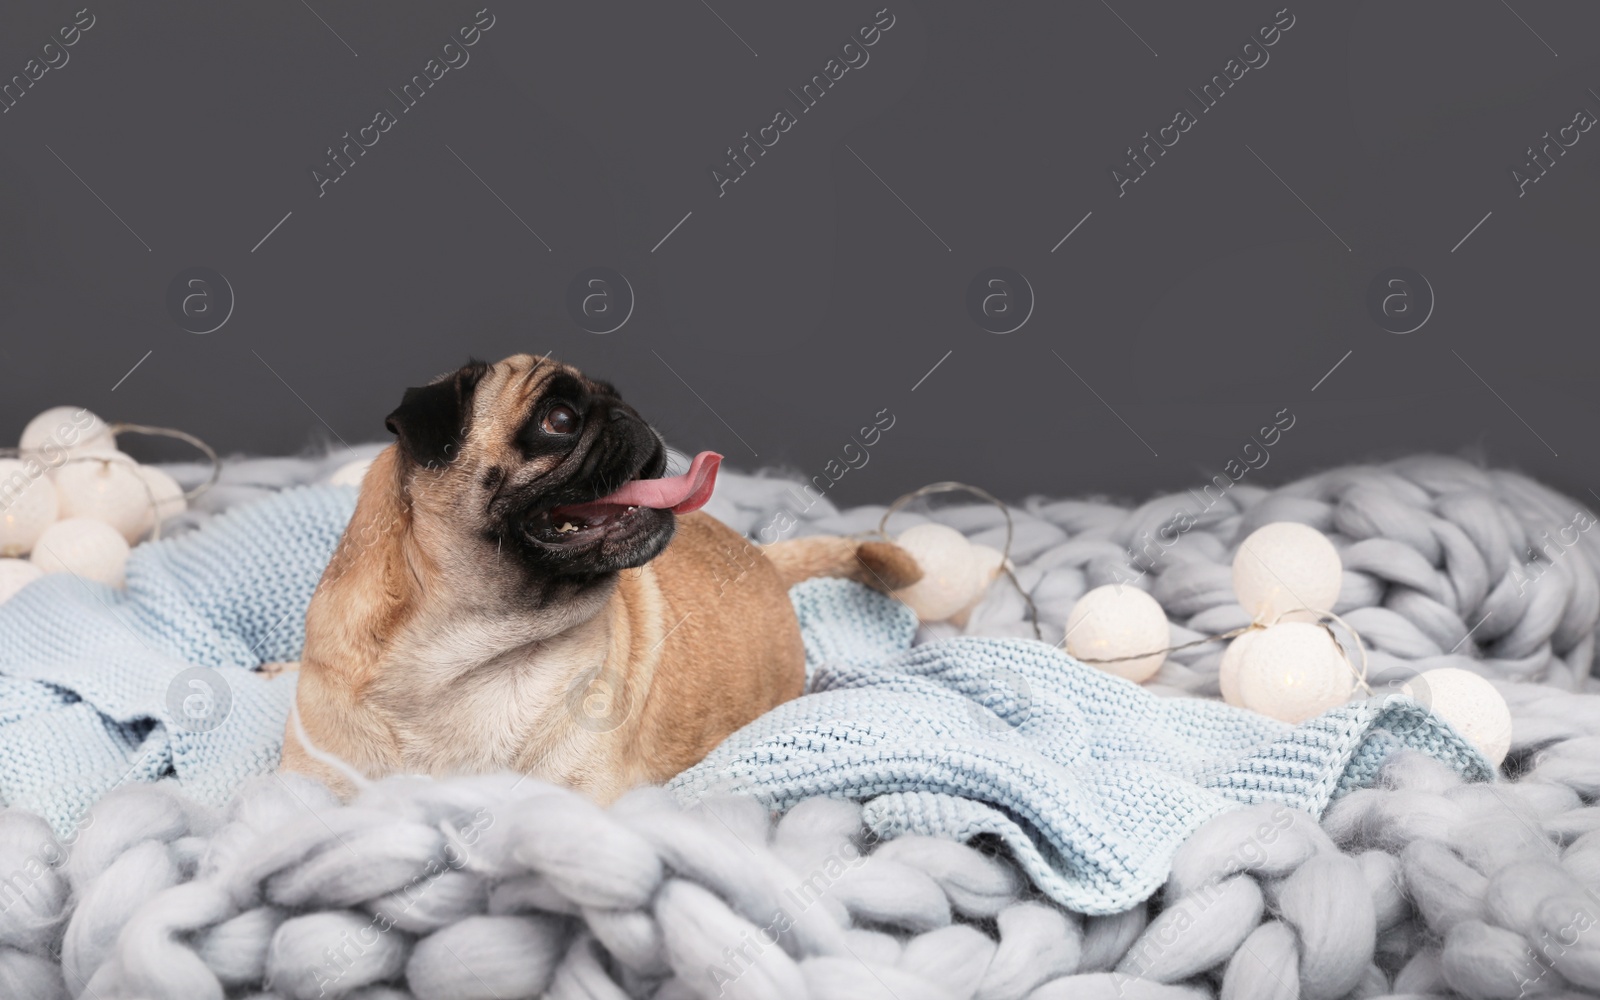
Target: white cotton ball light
{"points": [[987, 564], [62, 431], [83, 546], [1228, 669], [1118, 620], [1292, 672], [1285, 566], [28, 505], [1470, 704], [14, 575], [949, 576], [164, 497], [106, 486], [351, 473]]}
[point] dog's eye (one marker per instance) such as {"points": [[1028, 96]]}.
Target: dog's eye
{"points": [[561, 420]]}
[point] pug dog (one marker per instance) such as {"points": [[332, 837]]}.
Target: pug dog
{"points": [[522, 587]]}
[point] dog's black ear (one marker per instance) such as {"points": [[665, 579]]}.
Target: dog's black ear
{"points": [[431, 420]]}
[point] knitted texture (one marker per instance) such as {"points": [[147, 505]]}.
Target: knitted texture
{"points": [[96, 679], [1446, 563], [1089, 779], [1422, 885], [1105, 778]]}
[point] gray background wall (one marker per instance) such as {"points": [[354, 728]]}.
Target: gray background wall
{"points": [[777, 319]]}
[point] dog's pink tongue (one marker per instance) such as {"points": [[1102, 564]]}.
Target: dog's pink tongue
{"points": [[679, 494]]}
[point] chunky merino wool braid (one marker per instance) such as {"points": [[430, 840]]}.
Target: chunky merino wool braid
{"points": [[1424, 885]]}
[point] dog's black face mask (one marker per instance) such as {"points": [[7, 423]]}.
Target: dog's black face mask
{"points": [[534, 456], [568, 526]]}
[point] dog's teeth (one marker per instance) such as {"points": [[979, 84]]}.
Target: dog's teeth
{"points": [[567, 526]]}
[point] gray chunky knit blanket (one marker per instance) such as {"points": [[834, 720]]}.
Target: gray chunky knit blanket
{"points": [[502, 887]]}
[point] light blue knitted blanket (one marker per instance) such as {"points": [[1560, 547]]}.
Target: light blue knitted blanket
{"points": [[98, 686], [1091, 781]]}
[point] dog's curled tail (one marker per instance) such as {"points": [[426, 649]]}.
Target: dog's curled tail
{"points": [[883, 566]]}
